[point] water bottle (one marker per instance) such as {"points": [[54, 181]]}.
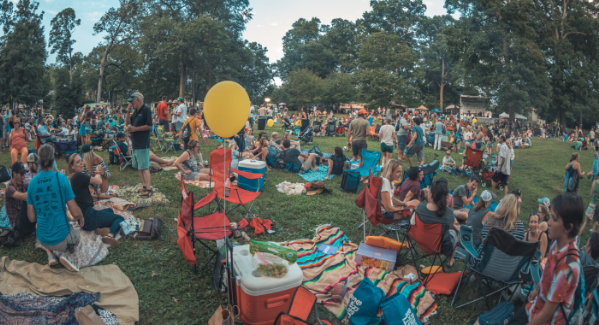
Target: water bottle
{"points": [[227, 187]]}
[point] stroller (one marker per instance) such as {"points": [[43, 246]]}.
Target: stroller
{"points": [[307, 135], [429, 171], [487, 176], [330, 129]]}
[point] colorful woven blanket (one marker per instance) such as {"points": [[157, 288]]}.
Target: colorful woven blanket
{"points": [[322, 272]]}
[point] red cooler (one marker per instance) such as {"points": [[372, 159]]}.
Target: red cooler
{"points": [[260, 298]]}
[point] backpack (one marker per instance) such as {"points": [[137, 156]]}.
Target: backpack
{"points": [[10, 237], [272, 159], [499, 315], [186, 132], [579, 295], [148, 230]]}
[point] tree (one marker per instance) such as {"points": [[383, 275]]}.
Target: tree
{"points": [[22, 55], [61, 41], [68, 87], [339, 88], [300, 88], [118, 26], [399, 17]]}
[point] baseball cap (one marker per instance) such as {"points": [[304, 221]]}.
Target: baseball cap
{"points": [[545, 201], [18, 167], [120, 134], [137, 95], [33, 158], [487, 196], [362, 112], [86, 148], [181, 99]]}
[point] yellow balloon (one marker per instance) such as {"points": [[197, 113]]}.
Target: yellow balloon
{"points": [[226, 108], [270, 123]]}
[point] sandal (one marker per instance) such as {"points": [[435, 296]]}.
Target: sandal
{"points": [[109, 240], [142, 189], [148, 193]]}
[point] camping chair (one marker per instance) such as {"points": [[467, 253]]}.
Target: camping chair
{"points": [[303, 303], [66, 148], [164, 144], [369, 201], [125, 160], [287, 125], [317, 128], [502, 260], [330, 129], [191, 229], [474, 159], [429, 171], [370, 160], [220, 169], [428, 237]]}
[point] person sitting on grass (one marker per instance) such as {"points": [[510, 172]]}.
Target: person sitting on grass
{"points": [[585, 144], [448, 162], [337, 163], [94, 219], [506, 217], [261, 150], [91, 161], [463, 195], [301, 161], [121, 141], [436, 211], [191, 169], [578, 145], [410, 188], [479, 215], [391, 207], [53, 229], [552, 301]]}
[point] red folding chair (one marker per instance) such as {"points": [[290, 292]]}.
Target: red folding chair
{"points": [[220, 162], [428, 237], [474, 158], [302, 305], [201, 229]]}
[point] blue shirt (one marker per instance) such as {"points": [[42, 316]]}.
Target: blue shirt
{"points": [[438, 128], [43, 193], [419, 135], [370, 119]]}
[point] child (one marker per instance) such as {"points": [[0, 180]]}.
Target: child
{"points": [[448, 162], [552, 301]]}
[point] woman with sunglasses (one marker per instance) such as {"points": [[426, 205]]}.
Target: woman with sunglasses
{"points": [[17, 140], [188, 165]]}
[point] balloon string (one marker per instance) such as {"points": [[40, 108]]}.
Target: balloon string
{"points": [[225, 220]]}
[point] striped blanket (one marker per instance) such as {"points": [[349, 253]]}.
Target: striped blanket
{"points": [[322, 272]]}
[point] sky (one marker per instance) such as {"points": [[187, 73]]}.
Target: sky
{"points": [[272, 19]]}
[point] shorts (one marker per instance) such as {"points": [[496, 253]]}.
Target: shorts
{"points": [[416, 150], [500, 177], [401, 142], [72, 238], [404, 214], [386, 148], [596, 215], [357, 146], [306, 164], [478, 145], [190, 177], [163, 123], [178, 126], [140, 159]]}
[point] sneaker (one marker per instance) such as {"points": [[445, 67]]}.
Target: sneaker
{"points": [[68, 263], [52, 260]]}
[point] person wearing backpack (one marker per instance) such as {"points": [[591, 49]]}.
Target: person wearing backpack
{"points": [[557, 297], [190, 127]]}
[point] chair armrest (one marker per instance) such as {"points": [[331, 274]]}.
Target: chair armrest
{"points": [[534, 268], [246, 174], [466, 240]]}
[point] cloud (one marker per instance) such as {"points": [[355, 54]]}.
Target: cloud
{"points": [[51, 12], [94, 15], [274, 24]]}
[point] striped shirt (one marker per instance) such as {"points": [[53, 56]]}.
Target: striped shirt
{"points": [[517, 231], [96, 166]]}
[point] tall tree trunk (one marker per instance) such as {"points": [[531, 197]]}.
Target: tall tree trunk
{"points": [[101, 77], [193, 89], [70, 75], [442, 84], [209, 74], [562, 117], [183, 80], [512, 113]]}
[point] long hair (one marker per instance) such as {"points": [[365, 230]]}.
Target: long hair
{"points": [[46, 156], [480, 205], [574, 156], [439, 193], [506, 214], [70, 170], [390, 167], [546, 211], [88, 160]]}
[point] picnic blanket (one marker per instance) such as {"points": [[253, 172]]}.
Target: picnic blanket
{"points": [[200, 184], [322, 272], [129, 193], [91, 250], [324, 155], [117, 293], [318, 175], [172, 158], [27, 308], [291, 188]]}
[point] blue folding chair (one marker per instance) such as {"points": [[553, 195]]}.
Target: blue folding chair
{"points": [[502, 259], [370, 160]]}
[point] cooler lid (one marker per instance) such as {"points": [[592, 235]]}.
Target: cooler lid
{"points": [[253, 164], [255, 284]]}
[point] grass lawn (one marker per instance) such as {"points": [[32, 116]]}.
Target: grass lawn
{"points": [[174, 295]]}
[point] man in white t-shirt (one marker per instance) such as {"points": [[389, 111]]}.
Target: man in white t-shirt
{"points": [[504, 167], [387, 136], [179, 114]]}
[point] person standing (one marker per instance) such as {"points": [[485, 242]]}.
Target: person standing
{"points": [[358, 129], [139, 121], [504, 168], [416, 146], [438, 135], [386, 134], [161, 111], [180, 114], [403, 129], [194, 127]]}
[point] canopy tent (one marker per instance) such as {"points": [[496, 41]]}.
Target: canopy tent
{"points": [[521, 117], [504, 115], [422, 108], [436, 110], [452, 107]]}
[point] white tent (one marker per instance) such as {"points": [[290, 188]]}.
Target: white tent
{"points": [[504, 115], [521, 117]]}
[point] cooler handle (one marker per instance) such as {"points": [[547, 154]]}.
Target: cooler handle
{"points": [[276, 302]]}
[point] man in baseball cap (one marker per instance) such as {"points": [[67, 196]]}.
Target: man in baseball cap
{"points": [[478, 214], [545, 201], [33, 166], [358, 131]]}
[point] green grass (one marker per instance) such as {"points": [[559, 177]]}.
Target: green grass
{"points": [[538, 172]]}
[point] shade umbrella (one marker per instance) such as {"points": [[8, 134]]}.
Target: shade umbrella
{"points": [[504, 115], [436, 110], [422, 108]]}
